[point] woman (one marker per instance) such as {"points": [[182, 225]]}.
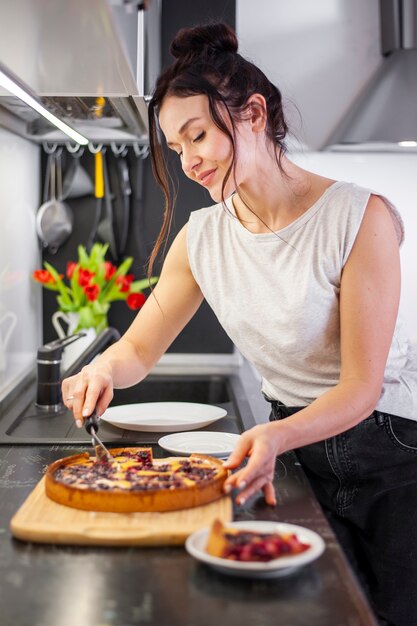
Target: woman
{"points": [[303, 273]]}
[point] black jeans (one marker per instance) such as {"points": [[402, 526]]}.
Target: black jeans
{"points": [[366, 482]]}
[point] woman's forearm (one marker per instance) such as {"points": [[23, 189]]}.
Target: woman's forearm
{"points": [[337, 410], [127, 365], [334, 412]]}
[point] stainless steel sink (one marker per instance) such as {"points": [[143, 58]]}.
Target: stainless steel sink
{"points": [[23, 422]]}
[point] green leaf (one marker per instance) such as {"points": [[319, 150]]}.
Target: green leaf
{"points": [[67, 308], [100, 308], [83, 257], [50, 286], [78, 292], [124, 267], [62, 288], [111, 290], [116, 294], [139, 285], [98, 253]]}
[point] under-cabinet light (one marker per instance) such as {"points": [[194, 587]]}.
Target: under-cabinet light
{"points": [[408, 144], [11, 85]]}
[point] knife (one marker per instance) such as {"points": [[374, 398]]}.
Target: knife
{"points": [[91, 426]]}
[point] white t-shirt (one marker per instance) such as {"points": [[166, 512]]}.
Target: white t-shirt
{"points": [[277, 296]]}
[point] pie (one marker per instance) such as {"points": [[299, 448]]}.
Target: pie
{"points": [[133, 481], [245, 545]]}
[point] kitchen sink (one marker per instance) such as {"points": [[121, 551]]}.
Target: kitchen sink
{"points": [[23, 422]]}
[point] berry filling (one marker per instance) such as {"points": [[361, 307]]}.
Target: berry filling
{"points": [[134, 471], [250, 546]]}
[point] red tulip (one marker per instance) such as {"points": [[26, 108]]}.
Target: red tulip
{"points": [[43, 276], [124, 282], [71, 265], [84, 277], [135, 300], [92, 292], [109, 269]]}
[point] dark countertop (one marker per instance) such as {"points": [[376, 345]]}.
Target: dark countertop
{"points": [[47, 585], [51, 585]]}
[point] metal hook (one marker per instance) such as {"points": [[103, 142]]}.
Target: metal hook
{"points": [[49, 149], [141, 152], [75, 149], [118, 151], [94, 149]]}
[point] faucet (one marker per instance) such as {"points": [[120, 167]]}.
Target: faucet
{"points": [[49, 358]]}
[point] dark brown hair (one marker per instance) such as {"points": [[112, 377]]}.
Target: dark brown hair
{"points": [[207, 63]]}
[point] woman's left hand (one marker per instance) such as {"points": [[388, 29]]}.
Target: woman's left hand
{"points": [[261, 445]]}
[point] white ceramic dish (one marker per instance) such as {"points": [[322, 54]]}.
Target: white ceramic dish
{"points": [[165, 417], [205, 442], [196, 546]]}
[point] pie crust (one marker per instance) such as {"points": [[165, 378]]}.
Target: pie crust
{"points": [[134, 481]]}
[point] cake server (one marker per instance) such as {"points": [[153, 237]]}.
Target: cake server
{"points": [[91, 426]]}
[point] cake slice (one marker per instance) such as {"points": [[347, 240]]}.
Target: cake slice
{"points": [[245, 545]]}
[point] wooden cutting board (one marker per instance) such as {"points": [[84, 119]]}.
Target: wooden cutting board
{"points": [[42, 520]]}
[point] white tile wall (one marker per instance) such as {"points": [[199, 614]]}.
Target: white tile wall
{"points": [[395, 176], [20, 297]]}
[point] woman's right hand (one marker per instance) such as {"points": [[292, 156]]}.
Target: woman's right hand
{"points": [[91, 389]]}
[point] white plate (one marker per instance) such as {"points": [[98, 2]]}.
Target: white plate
{"points": [[196, 546], [205, 442], [165, 417]]}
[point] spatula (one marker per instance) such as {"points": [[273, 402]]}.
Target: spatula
{"points": [[91, 426]]}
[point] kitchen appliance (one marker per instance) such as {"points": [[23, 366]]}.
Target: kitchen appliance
{"points": [[96, 61], [385, 116]]}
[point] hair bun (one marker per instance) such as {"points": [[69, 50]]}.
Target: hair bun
{"points": [[199, 40]]}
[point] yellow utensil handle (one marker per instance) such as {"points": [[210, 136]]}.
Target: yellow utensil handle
{"points": [[99, 178]]}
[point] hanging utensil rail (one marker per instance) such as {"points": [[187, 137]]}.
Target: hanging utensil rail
{"points": [[140, 150]]}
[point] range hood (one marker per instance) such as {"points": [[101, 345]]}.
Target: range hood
{"points": [[384, 118], [90, 62]]}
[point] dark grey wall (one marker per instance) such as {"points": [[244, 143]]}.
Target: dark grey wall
{"points": [[203, 333]]}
